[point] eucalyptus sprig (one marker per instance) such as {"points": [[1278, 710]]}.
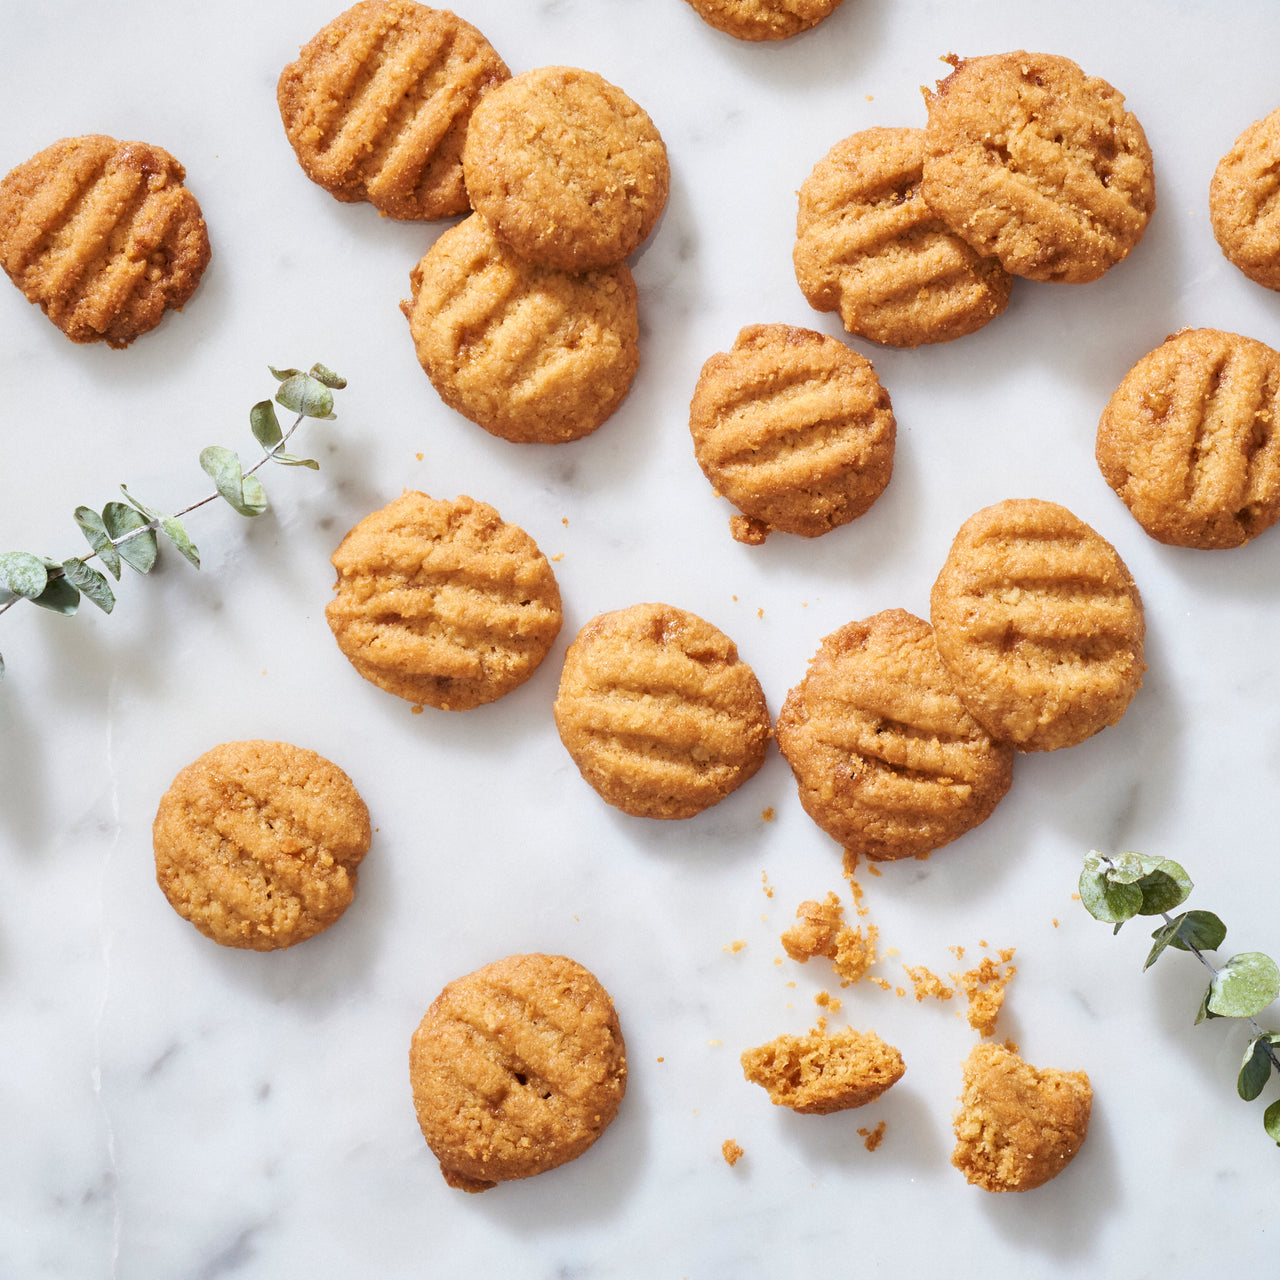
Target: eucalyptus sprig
{"points": [[1116, 888], [125, 532]]}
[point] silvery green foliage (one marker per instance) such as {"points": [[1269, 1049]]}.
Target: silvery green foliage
{"points": [[1115, 888], [126, 532]]}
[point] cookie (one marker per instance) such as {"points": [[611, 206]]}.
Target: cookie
{"points": [[887, 760], [1036, 164], [868, 246], [1244, 207], [763, 19], [377, 104], [257, 844], [103, 236], [659, 713], [516, 1068], [443, 603], [1040, 625], [570, 171], [824, 1071], [530, 354], [1018, 1126], [794, 429], [1191, 439]]}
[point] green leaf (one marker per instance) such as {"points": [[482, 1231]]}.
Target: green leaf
{"points": [[328, 377], [282, 375], [24, 574], [59, 596], [1271, 1121], [1205, 1014], [1244, 986], [92, 585], [1103, 898], [289, 460], [301, 393], [176, 532], [150, 512], [1198, 930], [1164, 887], [244, 493], [137, 550], [96, 535], [1255, 1069], [265, 425]]}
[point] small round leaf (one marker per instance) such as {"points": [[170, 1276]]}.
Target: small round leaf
{"points": [[1244, 986], [24, 574]]}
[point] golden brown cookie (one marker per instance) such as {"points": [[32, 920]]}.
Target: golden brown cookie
{"points": [[1037, 164], [257, 844], [443, 603], [659, 713], [1244, 201], [1017, 1126], [377, 104], [570, 171], [103, 236], [824, 1071], [530, 354], [1191, 439], [794, 429], [516, 1068], [1039, 623], [763, 19], [887, 760], [869, 247]]}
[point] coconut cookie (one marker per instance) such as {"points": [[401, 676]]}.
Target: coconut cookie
{"points": [[824, 1071], [530, 354], [763, 19], [257, 844], [377, 104], [1040, 625], [1244, 202], [1036, 164], [103, 236], [868, 246], [1191, 439], [1018, 1126], [794, 429], [887, 760], [516, 1068], [443, 603], [660, 715], [569, 170]]}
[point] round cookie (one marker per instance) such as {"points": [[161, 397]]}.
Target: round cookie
{"points": [[658, 712], [103, 236], [530, 354], [794, 429], [868, 246], [377, 104], [443, 603], [516, 1068], [1036, 164], [1017, 1125], [763, 19], [571, 173], [1190, 440], [257, 844], [887, 760], [1243, 204], [1039, 623]]}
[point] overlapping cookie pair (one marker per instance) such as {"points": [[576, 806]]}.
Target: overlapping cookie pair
{"points": [[1027, 167]]}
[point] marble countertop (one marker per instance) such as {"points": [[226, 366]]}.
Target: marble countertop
{"points": [[175, 1109]]}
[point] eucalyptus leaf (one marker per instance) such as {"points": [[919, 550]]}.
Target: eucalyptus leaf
{"points": [[1244, 986], [176, 532], [244, 493], [265, 425], [1106, 900], [289, 460], [96, 535], [306, 395], [330, 379], [1255, 1069], [24, 574], [91, 584], [150, 512], [59, 596], [128, 530], [1271, 1121], [282, 375], [1204, 1013], [1193, 930], [1164, 887]]}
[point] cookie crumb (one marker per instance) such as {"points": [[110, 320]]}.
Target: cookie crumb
{"points": [[735, 946], [984, 986], [766, 814], [416, 709], [815, 931], [418, 456], [748, 530], [927, 983], [872, 1138], [825, 1000], [731, 1151]]}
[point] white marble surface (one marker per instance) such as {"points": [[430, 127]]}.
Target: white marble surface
{"points": [[173, 1109]]}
